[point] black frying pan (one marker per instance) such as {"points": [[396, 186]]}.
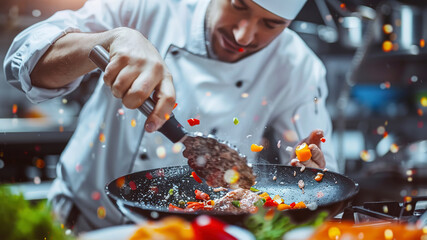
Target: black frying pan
{"points": [[146, 193]]}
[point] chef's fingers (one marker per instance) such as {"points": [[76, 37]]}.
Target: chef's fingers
{"points": [[315, 137], [165, 100], [317, 156], [116, 64], [124, 80], [143, 86]]}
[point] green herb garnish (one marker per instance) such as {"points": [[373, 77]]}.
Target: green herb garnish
{"points": [[259, 203], [254, 189], [236, 204]]}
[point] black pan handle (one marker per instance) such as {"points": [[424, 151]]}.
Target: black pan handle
{"points": [[172, 129]]}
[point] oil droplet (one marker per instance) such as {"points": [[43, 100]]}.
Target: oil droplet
{"points": [[133, 123], [120, 182], [385, 209], [161, 152], [364, 155], [423, 101], [101, 212], [231, 176], [388, 234], [394, 148], [177, 147], [387, 46], [96, 196], [387, 28], [14, 108], [102, 137], [334, 233]]}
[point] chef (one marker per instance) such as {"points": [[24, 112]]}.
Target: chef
{"points": [[232, 64]]}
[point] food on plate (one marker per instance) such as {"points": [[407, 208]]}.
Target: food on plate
{"points": [[236, 202], [303, 152], [170, 228], [174, 228]]}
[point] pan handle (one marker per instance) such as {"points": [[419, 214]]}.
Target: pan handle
{"points": [[172, 129]]}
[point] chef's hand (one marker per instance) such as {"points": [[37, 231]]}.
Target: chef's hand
{"points": [[317, 159], [135, 70]]}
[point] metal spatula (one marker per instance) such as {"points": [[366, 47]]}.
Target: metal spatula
{"points": [[217, 162]]}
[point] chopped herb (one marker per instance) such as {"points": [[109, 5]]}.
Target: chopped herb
{"points": [[171, 191], [236, 203], [254, 189], [259, 203]]}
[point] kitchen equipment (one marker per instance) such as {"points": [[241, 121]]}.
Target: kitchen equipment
{"points": [[146, 194], [208, 156]]}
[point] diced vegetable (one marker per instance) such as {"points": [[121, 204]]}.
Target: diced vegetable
{"points": [[193, 121], [236, 203], [264, 195], [171, 191], [278, 199], [300, 205], [256, 148], [283, 206], [201, 195], [303, 152], [194, 175], [260, 202], [254, 189], [174, 208], [270, 202], [195, 205], [319, 177]]}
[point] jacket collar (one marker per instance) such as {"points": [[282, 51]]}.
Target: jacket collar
{"points": [[196, 43]]}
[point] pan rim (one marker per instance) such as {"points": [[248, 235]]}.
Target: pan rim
{"points": [[132, 204]]}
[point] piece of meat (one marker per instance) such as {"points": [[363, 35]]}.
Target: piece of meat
{"points": [[245, 197], [218, 163]]}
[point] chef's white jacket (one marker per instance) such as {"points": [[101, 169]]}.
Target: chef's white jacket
{"points": [[282, 86]]}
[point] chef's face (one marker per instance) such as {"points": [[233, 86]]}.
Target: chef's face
{"points": [[238, 28]]}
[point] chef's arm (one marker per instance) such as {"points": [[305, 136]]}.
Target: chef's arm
{"points": [[135, 70], [67, 59]]}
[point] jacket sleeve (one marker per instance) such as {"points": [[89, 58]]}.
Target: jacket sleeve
{"points": [[30, 45]]}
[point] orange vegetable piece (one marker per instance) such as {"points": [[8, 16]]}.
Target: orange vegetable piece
{"points": [[256, 148], [319, 177], [303, 152], [278, 199], [300, 205], [264, 195], [283, 206]]}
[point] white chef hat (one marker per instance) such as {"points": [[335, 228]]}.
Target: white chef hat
{"points": [[287, 9]]}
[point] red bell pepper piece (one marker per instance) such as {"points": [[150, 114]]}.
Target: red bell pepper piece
{"points": [[270, 202], [193, 121], [174, 208], [209, 228], [195, 205], [196, 177], [201, 195]]}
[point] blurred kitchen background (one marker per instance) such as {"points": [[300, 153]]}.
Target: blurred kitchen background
{"points": [[376, 59]]}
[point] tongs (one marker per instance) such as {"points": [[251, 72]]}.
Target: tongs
{"points": [[220, 164]]}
